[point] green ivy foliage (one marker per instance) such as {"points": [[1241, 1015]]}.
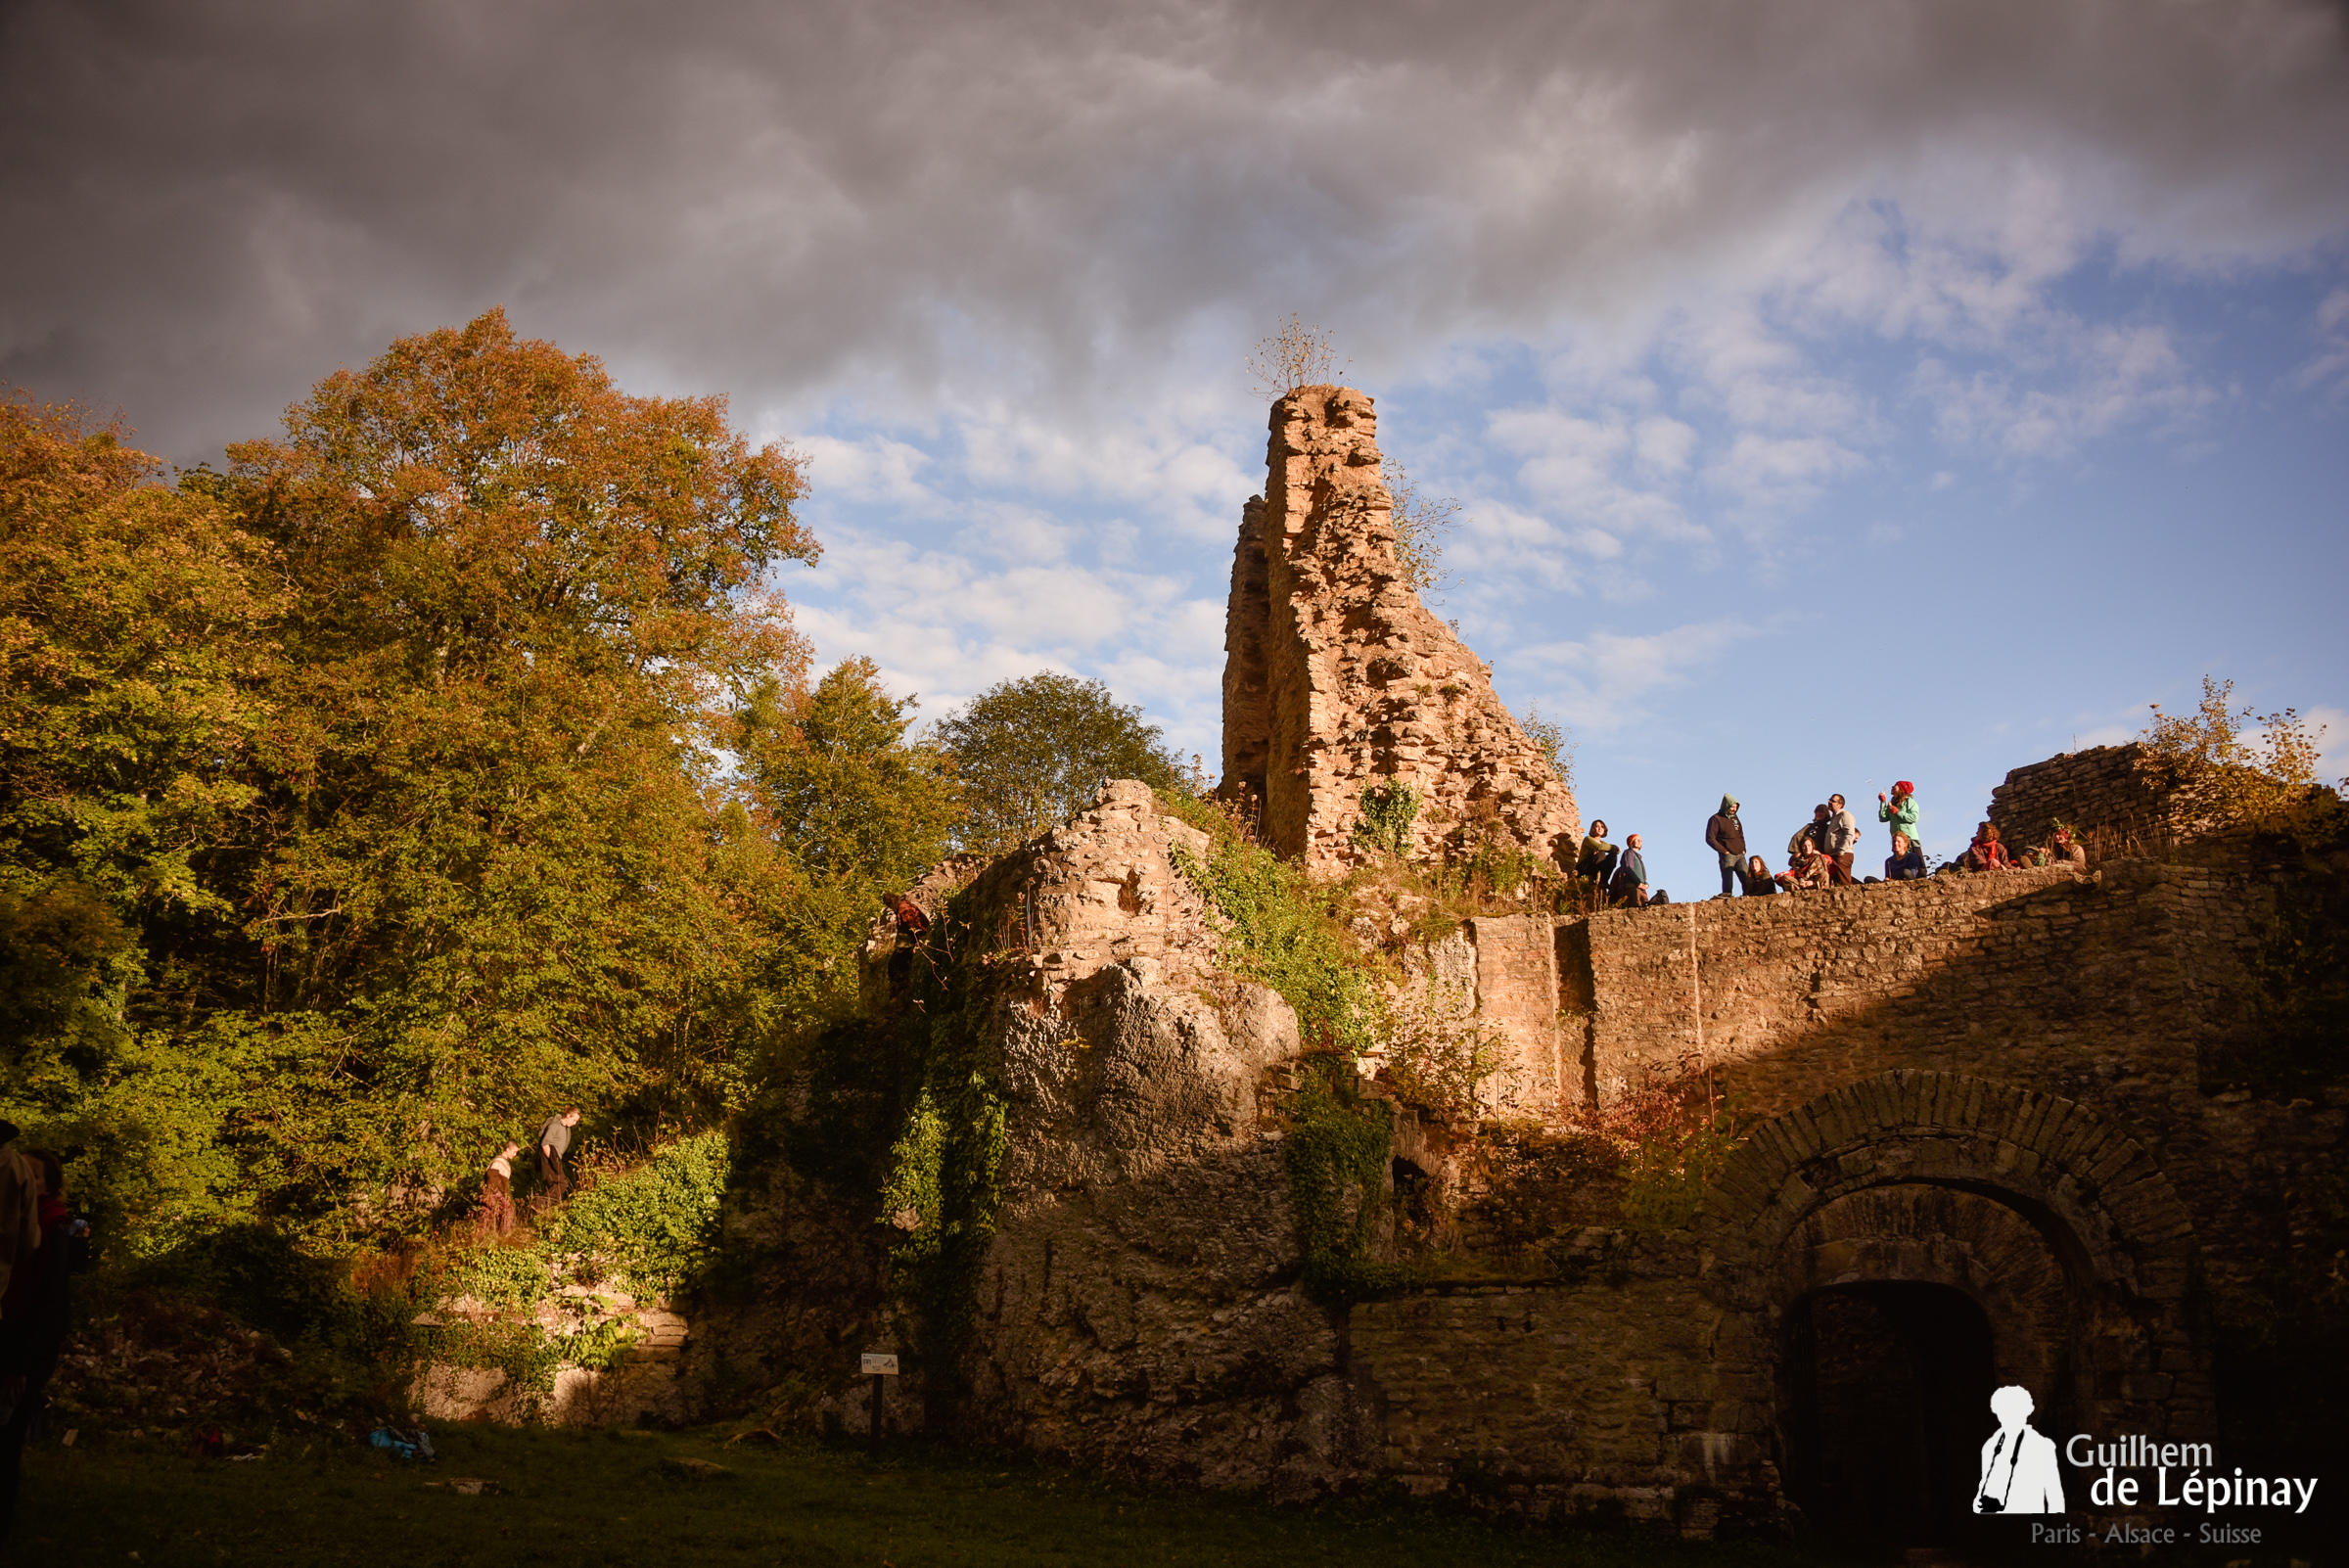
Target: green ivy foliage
{"points": [[1280, 929], [1388, 812], [1336, 1151], [658, 1225]]}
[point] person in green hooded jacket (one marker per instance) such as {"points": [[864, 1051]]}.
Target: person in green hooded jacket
{"points": [[1724, 836]]}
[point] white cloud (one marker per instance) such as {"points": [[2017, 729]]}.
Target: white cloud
{"points": [[874, 469], [1578, 469], [2328, 367], [1767, 472], [1599, 682]]}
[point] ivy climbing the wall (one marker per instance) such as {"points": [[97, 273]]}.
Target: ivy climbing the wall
{"points": [[1336, 1152], [1280, 929], [1388, 812]]}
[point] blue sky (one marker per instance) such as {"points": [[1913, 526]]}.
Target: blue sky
{"points": [[1893, 516], [1834, 394]]}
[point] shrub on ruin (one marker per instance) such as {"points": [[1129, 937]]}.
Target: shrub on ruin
{"points": [[2236, 767], [1435, 1053], [1282, 931], [1554, 739], [1421, 522], [1387, 813], [1293, 355]]}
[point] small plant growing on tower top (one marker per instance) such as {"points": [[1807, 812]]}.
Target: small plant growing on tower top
{"points": [[1296, 355]]}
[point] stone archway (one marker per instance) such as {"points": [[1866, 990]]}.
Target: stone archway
{"points": [[2046, 1217]]}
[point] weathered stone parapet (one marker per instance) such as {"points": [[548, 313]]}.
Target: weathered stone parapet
{"points": [[1339, 681], [2114, 799]]}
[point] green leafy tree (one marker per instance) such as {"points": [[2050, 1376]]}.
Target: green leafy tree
{"points": [[856, 809], [136, 649], [1031, 753], [494, 869]]}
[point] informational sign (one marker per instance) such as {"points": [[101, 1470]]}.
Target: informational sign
{"points": [[878, 1366]]}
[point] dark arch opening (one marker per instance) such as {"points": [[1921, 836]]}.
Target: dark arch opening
{"points": [[1888, 1397]]}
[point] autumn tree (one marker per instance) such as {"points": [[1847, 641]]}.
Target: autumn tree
{"points": [[526, 606], [135, 653], [2242, 765], [1033, 752]]}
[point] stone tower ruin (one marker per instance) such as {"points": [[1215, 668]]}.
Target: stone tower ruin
{"points": [[1339, 682]]}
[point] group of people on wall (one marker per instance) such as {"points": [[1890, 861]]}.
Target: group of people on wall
{"points": [[1821, 854]]}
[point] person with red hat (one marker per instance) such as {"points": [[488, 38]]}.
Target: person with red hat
{"points": [[1899, 812]]}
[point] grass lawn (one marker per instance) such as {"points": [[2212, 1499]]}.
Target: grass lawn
{"points": [[578, 1497]]}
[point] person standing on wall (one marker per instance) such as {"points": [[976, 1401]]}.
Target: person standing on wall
{"points": [[554, 1142], [1899, 811], [1724, 836], [1842, 834]]}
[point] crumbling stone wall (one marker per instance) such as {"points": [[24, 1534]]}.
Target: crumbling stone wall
{"points": [[2108, 795], [1338, 679]]}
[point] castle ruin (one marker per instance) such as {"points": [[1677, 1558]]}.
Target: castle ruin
{"points": [[1338, 682], [1988, 1128]]}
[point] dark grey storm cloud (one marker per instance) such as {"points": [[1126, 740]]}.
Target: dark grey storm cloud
{"points": [[208, 205]]}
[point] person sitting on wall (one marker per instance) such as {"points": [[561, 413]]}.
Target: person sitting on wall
{"points": [[1986, 852], [1810, 836], [1629, 886], [2063, 849], [1816, 837], [1757, 878], [1811, 868], [1595, 862], [1899, 812], [1907, 863]]}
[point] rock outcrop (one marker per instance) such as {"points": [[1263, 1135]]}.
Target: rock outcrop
{"points": [[1339, 682]]}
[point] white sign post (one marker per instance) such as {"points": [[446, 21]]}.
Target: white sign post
{"points": [[877, 1366]]}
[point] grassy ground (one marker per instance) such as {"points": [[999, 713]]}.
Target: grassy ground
{"points": [[616, 1497]]}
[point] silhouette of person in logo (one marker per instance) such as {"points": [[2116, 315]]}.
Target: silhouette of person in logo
{"points": [[2018, 1464]]}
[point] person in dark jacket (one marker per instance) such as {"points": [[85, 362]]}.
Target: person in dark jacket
{"points": [[1595, 862], [554, 1142], [1907, 863], [34, 1317], [1757, 878], [1724, 836]]}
